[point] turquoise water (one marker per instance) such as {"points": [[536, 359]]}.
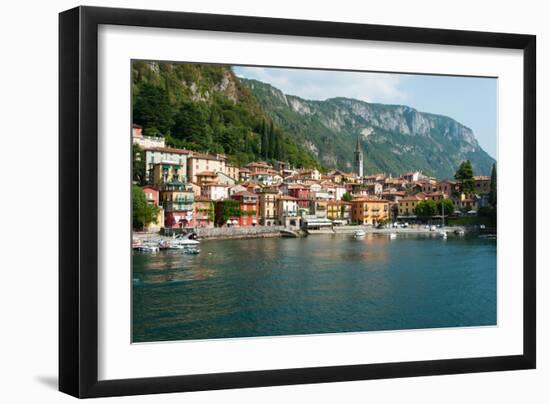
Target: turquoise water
{"points": [[318, 284]]}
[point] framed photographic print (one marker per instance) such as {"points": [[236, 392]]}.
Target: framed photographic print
{"points": [[251, 201]]}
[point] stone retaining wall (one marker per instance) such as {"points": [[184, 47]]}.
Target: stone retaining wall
{"points": [[238, 232]]}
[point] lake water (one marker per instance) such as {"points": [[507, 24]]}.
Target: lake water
{"points": [[318, 284]]}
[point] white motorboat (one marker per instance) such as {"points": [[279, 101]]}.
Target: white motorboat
{"points": [[443, 234], [393, 236], [359, 233], [150, 248], [185, 240]]}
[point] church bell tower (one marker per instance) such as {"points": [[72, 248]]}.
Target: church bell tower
{"points": [[358, 160]]}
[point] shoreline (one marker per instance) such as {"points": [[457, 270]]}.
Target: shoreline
{"points": [[236, 233]]}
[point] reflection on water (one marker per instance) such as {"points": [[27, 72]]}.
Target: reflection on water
{"points": [[319, 284]]}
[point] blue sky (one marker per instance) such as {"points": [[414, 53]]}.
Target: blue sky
{"points": [[471, 101]]}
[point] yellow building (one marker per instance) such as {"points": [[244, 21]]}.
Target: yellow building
{"points": [[268, 206], [408, 204], [167, 173], [370, 210], [339, 211]]}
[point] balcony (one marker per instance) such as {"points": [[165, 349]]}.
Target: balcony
{"points": [[184, 200], [173, 206]]}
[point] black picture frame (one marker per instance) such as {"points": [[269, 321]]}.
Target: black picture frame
{"points": [[78, 196]]}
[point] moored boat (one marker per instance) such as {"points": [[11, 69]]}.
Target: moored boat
{"points": [[359, 233]]}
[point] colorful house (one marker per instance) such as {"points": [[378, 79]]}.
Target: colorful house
{"points": [[339, 212], [158, 155], [204, 212], [303, 196], [249, 208], [152, 197], [287, 212], [215, 191], [167, 173], [178, 204], [407, 205], [370, 210], [268, 206]]}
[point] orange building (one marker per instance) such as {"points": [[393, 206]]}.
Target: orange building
{"points": [[370, 210]]}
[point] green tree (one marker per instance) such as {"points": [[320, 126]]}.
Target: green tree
{"points": [[227, 209], [192, 124], [493, 190], [152, 110], [347, 197], [142, 212], [445, 207], [465, 174], [138, 165], [425, 209]]}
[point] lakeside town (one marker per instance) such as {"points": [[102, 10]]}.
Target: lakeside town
{"points": [[184, 191]]}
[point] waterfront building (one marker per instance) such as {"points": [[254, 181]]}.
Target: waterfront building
{"points": [[167, 173], [287, 212], [370, 210], [145, 141], [312, 222], [302, 194], [268, 206], [215, 191], [249, 208], [407, 205], [178, 204], [203, 162], [204, 212], [339, 212], [169, 155], [358, 160], [152, 197], [320, 208]]}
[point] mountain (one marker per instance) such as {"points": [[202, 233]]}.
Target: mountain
{"points": [[394, 138], [206, 108]]}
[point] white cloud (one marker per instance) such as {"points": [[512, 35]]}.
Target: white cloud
{"points": [[323, 84]]}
